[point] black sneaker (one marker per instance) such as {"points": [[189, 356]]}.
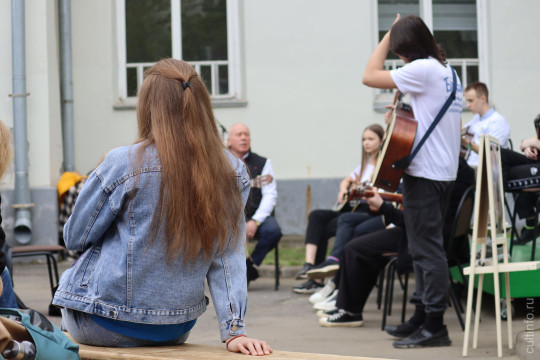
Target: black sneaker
{"points": [[325, 269], [342, 319], [402, 330], [309, 287], [526, 236], [302, 273], [423, 338], [252, 273]]}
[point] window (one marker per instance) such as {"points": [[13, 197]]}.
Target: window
{"points": [[202, 32], [454, 26]]}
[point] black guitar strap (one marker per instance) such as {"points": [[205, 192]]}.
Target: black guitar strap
{"points": [[404, 162]]}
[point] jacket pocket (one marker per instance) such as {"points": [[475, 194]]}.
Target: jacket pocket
{"points": [[89, 266]]}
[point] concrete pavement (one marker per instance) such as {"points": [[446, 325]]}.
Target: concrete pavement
{"points": [[287, 321]]}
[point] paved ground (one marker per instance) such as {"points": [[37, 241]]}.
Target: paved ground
{"points": [[287, 321]]}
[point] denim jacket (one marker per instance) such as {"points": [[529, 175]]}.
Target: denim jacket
{"points": [[123, 273]]}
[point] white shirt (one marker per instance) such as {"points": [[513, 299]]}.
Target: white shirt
{"points": [[491, 123], [366, 176], [429, 84]]}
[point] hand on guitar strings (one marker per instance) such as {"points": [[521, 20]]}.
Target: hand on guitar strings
{"points": [[375, 201], [388, 114]]}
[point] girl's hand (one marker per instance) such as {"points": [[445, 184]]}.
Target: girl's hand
{"points": [[531, 153], [249, 346], [389, 114]]}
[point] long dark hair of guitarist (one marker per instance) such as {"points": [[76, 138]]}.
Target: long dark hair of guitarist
{"points": [[322, 224], [428, 180]]}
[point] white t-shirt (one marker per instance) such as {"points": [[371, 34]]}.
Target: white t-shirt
{"points": [[429, 84], [491, 123], [366, 176]]}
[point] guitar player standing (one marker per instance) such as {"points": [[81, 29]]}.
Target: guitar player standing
{"points": [[429, 178]]}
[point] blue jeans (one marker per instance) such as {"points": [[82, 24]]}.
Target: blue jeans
{"points": [[8, 300], [86, 331], [352, 225], [268, 235]]}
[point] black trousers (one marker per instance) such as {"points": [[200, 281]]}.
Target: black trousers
{"points": [[361, 264], [322, 225], [425, 203], [526, 202]]}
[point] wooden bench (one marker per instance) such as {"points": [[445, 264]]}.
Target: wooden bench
{"points": [[194, 352]]}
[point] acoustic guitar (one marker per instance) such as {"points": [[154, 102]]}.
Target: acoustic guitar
{"points": [[260, 181], [464, 151], [363, 191], [397, 144], [366, 192], [344, 206]]}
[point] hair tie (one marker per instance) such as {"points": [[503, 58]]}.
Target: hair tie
{"points": [[231, 339], [186, 84]]}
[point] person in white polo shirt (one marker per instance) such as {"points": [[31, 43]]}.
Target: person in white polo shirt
{"points": [[486, 121]]}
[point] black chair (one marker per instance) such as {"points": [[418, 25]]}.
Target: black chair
{"points": [[457, 246], [49, 252], [400, 265], [276, 264], [513, 233], [276, 270]]}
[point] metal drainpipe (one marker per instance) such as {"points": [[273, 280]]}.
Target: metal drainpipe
{"points": [[23, 203], [66, 84]]}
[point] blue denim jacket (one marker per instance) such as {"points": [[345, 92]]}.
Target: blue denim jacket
{"points": [[123, 275]]}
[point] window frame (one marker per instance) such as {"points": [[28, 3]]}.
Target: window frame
{"points": [[426, 13], [234, 96]]}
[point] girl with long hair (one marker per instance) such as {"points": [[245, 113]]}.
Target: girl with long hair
{"points": [[323, 224], [429, 178], [154, 220]]}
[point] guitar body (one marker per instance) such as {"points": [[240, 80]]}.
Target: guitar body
{"points": [[344, 206], [397, 144], [464, 151]]}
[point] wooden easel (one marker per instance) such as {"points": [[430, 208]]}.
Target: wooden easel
{"points": [[489, 218]]}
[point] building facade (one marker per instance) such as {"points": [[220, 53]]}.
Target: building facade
{"points": [[290, 70]]}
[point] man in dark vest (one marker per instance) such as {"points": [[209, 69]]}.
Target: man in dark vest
{"points": [[260, 221]]}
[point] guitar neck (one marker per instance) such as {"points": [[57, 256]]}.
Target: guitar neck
{"points": [[357, 194], [392, 197]]}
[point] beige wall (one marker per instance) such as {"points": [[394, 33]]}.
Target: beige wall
{"points": [[514, 57], [43, 104], [302, 64]]}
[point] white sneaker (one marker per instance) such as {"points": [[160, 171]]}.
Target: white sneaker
{"points": [[328, 304], [323, 293]]}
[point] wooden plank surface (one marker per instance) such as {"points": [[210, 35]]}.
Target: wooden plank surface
{"points": [[509, 267], [193, 352]]}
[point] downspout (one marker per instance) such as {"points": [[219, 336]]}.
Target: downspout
{"points": [[23, 203], [66, 84]]}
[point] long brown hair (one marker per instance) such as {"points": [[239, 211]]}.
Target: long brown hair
{"points": [[199, 196], [6, 152], [377, 129], [410, 37]]}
